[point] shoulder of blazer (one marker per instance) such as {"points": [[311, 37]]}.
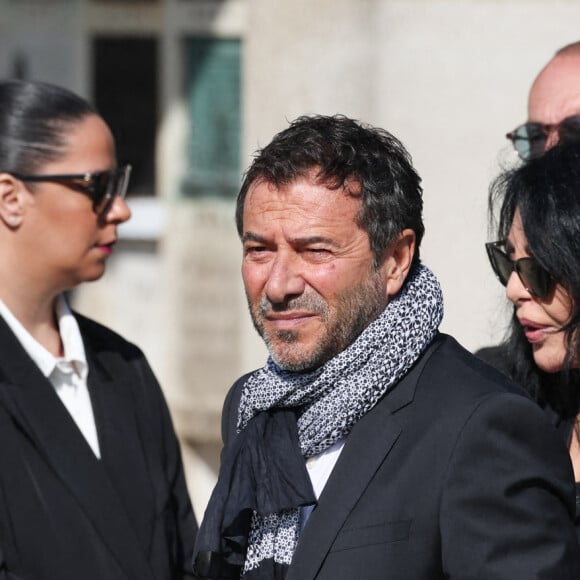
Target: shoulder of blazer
{"points": [[455, 380], [463, 361], [102, 339]]}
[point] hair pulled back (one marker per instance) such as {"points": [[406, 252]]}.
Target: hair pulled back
{"points": [[34, 117]]}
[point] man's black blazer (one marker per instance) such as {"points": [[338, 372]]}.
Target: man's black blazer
{"points": [[454, 474], [64, 514]]}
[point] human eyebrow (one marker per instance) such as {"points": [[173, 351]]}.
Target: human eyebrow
{"points": [[312, 241], [252, 237]]}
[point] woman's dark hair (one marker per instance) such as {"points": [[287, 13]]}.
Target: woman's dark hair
{"points": [[366, 161], [546, 192], [34, 117]]}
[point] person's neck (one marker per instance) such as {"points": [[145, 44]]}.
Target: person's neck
{"points": [[37, 315]]}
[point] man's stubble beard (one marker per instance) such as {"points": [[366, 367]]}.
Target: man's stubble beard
{"points": [[355, 308]]}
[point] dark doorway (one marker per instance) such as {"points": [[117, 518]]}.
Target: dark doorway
{"points": [[125, 93]]}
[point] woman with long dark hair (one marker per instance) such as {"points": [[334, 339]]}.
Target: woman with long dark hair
{"points": [[91, 481], [536, 211]]}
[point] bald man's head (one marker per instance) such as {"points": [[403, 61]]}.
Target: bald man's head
{"points": [[555, 94], [553, 105]]}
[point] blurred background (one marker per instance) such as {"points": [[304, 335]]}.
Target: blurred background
{"points": [[192, 88]]}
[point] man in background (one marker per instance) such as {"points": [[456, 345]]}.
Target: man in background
{"points": [[553, 105]]}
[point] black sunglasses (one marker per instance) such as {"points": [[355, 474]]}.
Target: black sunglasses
{"points": [[102, 186], [529, 139], [536, 280]]}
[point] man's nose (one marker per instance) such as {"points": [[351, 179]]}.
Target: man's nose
{"points": [[285, 279]]}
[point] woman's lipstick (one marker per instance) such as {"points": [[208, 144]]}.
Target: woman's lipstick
{"points": [[534, 332], [106, 248]]}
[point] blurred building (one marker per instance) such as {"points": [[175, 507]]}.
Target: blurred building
{"points": [[193, 87]]}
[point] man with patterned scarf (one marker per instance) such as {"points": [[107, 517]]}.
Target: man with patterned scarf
{"points": [[370, 446]]}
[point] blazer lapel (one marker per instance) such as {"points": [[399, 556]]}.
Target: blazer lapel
{"points": [[121, 447], [31, 400], [366, 448]]}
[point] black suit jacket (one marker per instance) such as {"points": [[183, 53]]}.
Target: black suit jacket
{"points": [[454, 474], [64, 514]]}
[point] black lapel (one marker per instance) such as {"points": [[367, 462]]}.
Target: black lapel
{"points": [[366, 448], [116, 415], [31, 400]]}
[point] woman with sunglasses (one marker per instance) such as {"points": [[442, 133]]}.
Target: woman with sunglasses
{"points": [[91, 481], [538, 260]]}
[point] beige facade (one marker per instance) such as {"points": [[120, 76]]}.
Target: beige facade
{"points": [[447, 77]]}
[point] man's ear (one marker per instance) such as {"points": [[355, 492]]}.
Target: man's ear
{"points": [[12, 194], [397, 261]]}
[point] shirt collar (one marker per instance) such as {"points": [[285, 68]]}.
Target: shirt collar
{"points": [[74, 351]]}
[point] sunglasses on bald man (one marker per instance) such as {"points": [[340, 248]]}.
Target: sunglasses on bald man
{"points": [[530, 139]]}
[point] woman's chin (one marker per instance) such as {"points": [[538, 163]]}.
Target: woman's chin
{"points": [[549, 362]]}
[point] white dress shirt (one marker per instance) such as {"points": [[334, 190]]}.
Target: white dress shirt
{"points": [[68, 374], [319, 469]]}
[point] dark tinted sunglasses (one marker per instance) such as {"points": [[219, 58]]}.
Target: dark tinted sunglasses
{"points": [[102, 186], [529, 139], [535, 279]]}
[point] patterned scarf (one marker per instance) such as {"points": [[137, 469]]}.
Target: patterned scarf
{"points": [[335, 396]]}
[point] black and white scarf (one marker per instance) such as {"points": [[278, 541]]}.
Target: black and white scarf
{"points": [[306, 413]]}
